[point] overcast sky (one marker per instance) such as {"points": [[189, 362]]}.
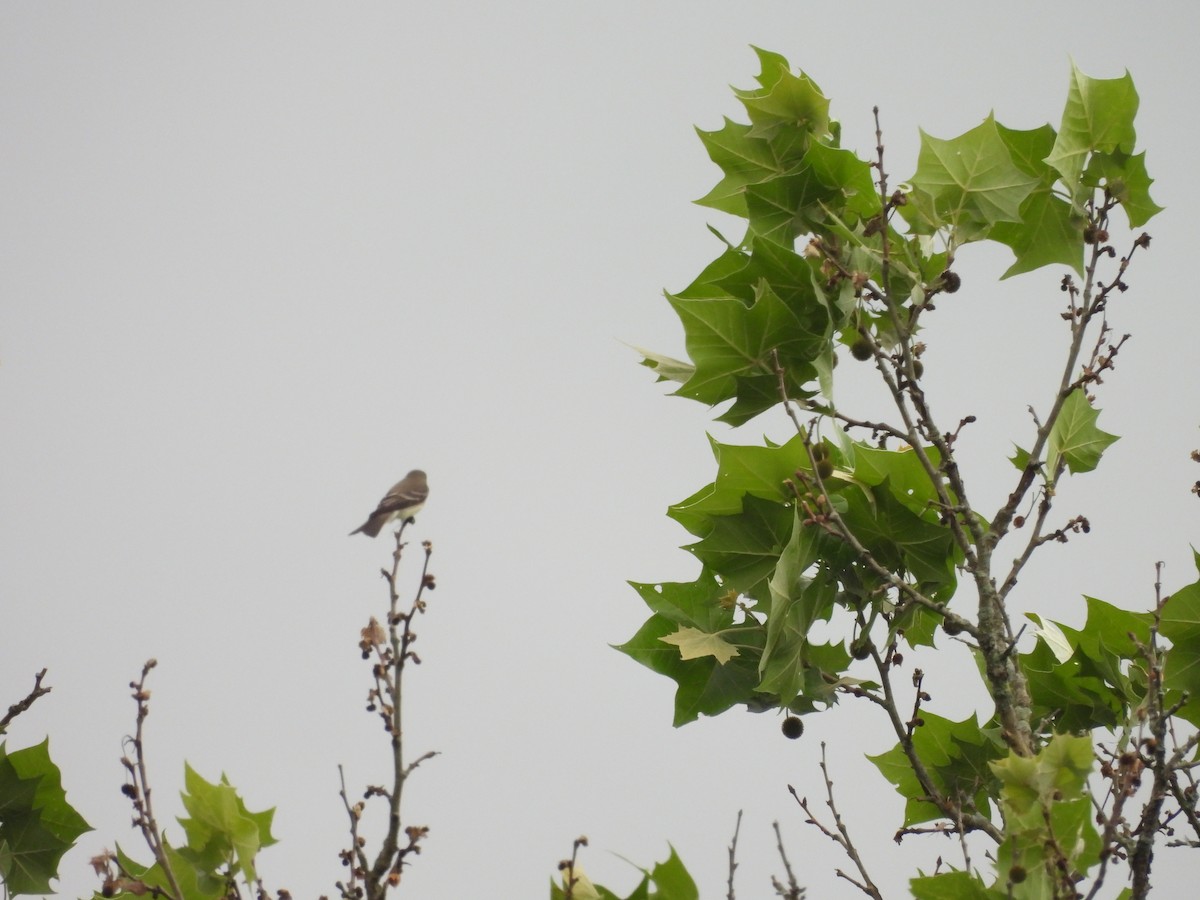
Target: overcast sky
{"points": [[259, 260]]}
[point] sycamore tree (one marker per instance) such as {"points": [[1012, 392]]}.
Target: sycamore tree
{"points": [[828, 554]]}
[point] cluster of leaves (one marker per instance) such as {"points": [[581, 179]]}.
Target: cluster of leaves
{"points": [[223, 839], [37, 825], [825, 556]]}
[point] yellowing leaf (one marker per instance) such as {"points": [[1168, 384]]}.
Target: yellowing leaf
{"points": [[694, 644]]}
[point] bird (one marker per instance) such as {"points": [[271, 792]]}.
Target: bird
{"points": [[403, 501]]}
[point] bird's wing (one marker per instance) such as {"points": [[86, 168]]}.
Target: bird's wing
{"points": [[403, 495]]}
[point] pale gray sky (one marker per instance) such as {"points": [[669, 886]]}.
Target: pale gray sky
{"points": [[258, 261]]}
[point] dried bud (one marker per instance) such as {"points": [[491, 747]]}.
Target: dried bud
{"points": [[1143, 241]]}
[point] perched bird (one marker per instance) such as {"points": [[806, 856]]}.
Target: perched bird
{"points": [[403, 501]]}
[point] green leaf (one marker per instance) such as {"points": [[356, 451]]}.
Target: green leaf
{"points": [[745, 160], [1098, 117], [37, 825], [221, 832], [672, 880], [695, 603], [790, 588], [952, 886], [784, 100], [1020, 459], [194, 883], [741, 470], [796, 602], [1181, 626], [1088, 683], [903, 541], [968, 183], [1050, 231], [1126, 178], [726, 339], [902, 472], [744, 549], [1075, 437], [1047, 811], [1063, 694], [957, 757], [827, 179]]}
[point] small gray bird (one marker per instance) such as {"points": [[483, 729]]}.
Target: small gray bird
{"points": [[403, 501]]}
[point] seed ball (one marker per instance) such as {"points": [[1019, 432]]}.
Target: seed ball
{"points": [[792, 727], [861, 349]]}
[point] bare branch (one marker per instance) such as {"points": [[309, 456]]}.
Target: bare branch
{"points": [[22, 705], [840, 836]]}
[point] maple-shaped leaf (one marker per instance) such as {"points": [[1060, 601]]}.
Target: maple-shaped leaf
{"points": [[725, 339], [784, 100], [755, 394], [1048, 812], [953, 886], [1181, 625], [968, 183], [827, 179], [745, 160], [221, 831], [903, 541], [195, 882], [796, 601], [1075, 438], [1098, 117], [1020, 458], [743, 549], [37, 825], [741, 470], [955, 754], [903, 473], [1126, 178], [694, 644]]}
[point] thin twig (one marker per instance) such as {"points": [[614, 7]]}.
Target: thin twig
{"points": [[841, 837], [733, 855], [138, 790], [22, 705], [793, 891]]}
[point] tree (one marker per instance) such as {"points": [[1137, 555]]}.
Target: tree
{"points": [[864, 529]]}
